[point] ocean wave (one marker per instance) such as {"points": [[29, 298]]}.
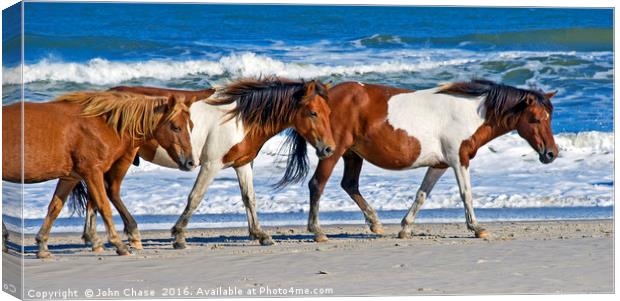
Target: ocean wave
{"points": [[103, 72], [100, 71], [576, 39]]}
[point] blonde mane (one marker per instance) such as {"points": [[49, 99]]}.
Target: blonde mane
{"points": [[131, 114]]}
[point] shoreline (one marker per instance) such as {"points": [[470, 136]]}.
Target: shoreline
{"points": [[520, 257], [74, 224]]}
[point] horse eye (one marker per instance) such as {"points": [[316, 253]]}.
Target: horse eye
{"points": [[314, 114], [176, 129]]}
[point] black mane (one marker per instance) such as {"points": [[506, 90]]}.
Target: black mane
{"points": [[501, 101]]}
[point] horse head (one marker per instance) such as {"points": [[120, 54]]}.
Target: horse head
{"points": [[173, 131], [534, 125], [311, 120]]}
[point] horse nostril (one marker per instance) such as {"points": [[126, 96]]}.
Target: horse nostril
{"points": [[550, 155], [328, 150], [189, 163]]}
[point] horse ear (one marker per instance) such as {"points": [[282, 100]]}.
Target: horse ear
{"points": [[310, 87], [550, 95], [329, 84], [191, 100], [529, 100], [172, 101]]}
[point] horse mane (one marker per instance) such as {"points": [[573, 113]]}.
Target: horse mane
{"points": [[297, 166], [131, 114], [502, 103], [264, 104]]}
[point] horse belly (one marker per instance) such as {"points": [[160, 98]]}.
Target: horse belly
{"points": [[11, 144], [389, 148], [47, 148], [421, 115]]}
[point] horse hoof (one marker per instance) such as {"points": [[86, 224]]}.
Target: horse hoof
{"points": [[267, 241], [378, 229], [123, 252], [98, 249], [404, 234], [483, 234], [44, 254], [136, 244], [179, 245], [320, 237]]}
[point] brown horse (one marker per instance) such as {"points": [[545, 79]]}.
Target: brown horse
{"points": [[115, 177], [437, 128], [84, 136], [230, 131]]}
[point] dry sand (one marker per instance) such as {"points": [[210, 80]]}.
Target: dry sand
{"points": [[521, 257]]}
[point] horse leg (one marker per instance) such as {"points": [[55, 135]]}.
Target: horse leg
{"points": [[96, 190], [90, 227], [464, 182], [63, 188], [431, 177], [5, 238], [350, 183], [205, 177], [131, 226], [244, 174], [316, 186], [114, 178]]}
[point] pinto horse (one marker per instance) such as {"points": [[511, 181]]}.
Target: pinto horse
{"points": [[85, 136], [230, 129], [437, 128]]}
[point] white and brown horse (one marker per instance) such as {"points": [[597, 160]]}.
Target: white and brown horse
{"points": [[438, 128], [229, 131]]}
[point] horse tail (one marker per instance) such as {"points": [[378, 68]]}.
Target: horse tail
{"points": [[78, 199], [297, 159]]}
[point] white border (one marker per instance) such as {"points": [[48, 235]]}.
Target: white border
{"points": [[498, 3]]}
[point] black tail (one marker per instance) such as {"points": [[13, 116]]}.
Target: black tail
{"points": [[297, 159], [78, 199]]}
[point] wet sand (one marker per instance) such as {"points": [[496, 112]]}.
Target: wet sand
{"points": [[520, 257]]}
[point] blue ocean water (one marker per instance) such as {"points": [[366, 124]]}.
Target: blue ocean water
{"points": [[452, 215], [97, 45], [72, 46]]}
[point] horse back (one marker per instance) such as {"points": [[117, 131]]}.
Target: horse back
{"points": [[359, 107], [360, 120], [154, 91], [56, 137]]}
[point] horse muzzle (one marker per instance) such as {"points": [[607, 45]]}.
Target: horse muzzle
{"points": [[323, 150], [547, 156], [186, 164]]}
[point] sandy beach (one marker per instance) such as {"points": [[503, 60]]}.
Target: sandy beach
{"points": [[521, 257]]}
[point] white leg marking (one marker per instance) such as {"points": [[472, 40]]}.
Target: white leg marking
{"points": [[431, 177], [246, 184], [464, 182]]}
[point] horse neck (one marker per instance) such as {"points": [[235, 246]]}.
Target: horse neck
{"points": [[261, 137], [134, 142], [488, 131], [246, 150]]}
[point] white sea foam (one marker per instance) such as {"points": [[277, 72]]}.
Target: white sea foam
{"points": [[316, 63], [505, 173]]}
